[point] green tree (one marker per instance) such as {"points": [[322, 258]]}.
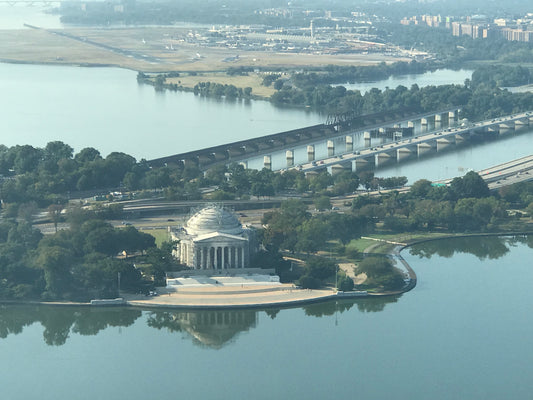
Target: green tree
{"points": [[320, 267], [322, 203], [87, 154], [54, 212], [374, 267], [420, 188], [344, 283], [311, 235], [56, 262], [471, 185]]}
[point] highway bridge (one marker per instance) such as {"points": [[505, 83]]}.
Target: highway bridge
{"points": [[384, 123], [509, 173], [399, 150], [520, 170]]}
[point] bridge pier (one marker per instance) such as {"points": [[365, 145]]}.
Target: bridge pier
{"points": [[438, 121], [367, 135], [403, 153], [363, 163], [289, 155], [423, 121], [493, 128], [444, 143], [267, 162], [521, 123], [384, 158], [461, 137], [311, 152], [331, 148], [410, 124], [426, 147], [341, 167], [506, 127], [349, 143], [452, 116]]}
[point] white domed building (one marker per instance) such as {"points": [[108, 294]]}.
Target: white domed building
{"points": [[213, 240]]}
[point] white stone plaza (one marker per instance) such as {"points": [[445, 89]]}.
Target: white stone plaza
{"points": [[223, 281]]}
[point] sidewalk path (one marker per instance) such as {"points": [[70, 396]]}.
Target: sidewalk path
{"points": [[213, 297]]}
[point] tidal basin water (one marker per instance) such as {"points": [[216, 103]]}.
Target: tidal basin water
{"points": [[462, 333]]}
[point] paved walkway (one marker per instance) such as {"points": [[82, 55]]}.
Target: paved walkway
{"points": [[221, 297]]}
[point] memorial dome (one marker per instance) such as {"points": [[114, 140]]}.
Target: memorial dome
{"points": [[213, 219]]}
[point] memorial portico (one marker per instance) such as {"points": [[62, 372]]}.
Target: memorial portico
{"points": [[213, 239]]}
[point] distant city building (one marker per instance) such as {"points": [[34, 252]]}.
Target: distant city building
{"points": [[478, 26], [518, 35]]}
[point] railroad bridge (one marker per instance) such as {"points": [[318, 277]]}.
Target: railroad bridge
{"points": [[383, 123]]}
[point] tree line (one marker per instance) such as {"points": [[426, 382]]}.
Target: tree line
{"points": [[480, 97], [33, 177], [465, 205], [79, 263]]}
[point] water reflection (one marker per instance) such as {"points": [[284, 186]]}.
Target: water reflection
{"points": [[207, 328], [368, 304], [58, 323], [217, 328], [487, 247], [212, 329]]}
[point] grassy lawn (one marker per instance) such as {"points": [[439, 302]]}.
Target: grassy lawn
{"points": [[161, 235], [382, 245], [359, 244], [252, 80]]}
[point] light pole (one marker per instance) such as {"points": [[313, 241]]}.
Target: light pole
{"points": [[336, 278]]}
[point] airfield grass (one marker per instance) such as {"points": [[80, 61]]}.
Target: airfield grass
{"points": [[41, 47]]}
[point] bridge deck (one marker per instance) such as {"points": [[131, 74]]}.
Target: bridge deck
{"points": [[408, 143], [244, 149]]}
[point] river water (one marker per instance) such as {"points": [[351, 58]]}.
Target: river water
{"points": [[14, 16], [105, 108], [435, 78], [462, 333]]}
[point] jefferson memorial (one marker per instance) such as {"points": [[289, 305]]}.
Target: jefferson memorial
{"points": [[214, 239]]}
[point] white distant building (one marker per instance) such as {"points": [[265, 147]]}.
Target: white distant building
{"points": [[214, 240]]}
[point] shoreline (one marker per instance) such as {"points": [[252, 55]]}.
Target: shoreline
{"points": [[285, 297]]}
